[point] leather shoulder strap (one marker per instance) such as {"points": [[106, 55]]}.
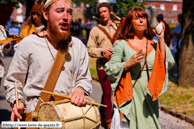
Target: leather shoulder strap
{"points": [[105, 32], [119, 29], [53, 76]]}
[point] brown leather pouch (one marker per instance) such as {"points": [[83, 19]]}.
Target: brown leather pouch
{"points": [[27, 117], [102, 61]]}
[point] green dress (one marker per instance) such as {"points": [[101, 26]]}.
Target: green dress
{"points": [[141, 112]]}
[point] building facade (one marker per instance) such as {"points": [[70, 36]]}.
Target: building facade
{"points": [[169, 8]]}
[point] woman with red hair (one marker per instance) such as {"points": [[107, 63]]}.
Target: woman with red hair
{"points": [[138, 72]]}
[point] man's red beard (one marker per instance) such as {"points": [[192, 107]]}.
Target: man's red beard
{"points": [[54, 31]]}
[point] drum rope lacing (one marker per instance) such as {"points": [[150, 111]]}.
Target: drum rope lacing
{"points": [[70, 45], [84, 114]]}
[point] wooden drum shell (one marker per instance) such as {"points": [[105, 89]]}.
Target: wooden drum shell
{"points": [[71, 116]]}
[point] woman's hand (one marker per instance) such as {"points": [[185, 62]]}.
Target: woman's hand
{"points": [[17, 111], [161, 41], [135, 59]]}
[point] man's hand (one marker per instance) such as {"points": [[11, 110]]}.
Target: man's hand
{"points": [[17, 111], [107, 51], [7, 44], [175, 34], [77, 97]]}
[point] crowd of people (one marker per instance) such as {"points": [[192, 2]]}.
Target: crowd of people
{"points": [[132, 67]]}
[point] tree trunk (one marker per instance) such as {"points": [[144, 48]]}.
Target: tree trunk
{"points": [[186, 54]]}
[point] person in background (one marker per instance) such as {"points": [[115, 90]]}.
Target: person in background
{"points": [[176, 38], [160, 18], [5, 47], [14, 29], [34, 22], [93, 23], [138, 72], [99, 46], [77, 27], [80, 26], [88, 28]]}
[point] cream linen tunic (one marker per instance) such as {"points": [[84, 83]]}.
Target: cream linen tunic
{"points": [[32, 63], [2, 49], [98, 40]]}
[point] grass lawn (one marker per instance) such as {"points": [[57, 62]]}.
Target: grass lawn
{"points": [[180, 99], [92, 66]]}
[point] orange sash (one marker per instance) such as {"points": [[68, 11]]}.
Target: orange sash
{"points": [[124, 91], [157, 78]]}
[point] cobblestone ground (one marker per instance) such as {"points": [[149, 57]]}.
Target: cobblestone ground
{"points": [[167, 121]]}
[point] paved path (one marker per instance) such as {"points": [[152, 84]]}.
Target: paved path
{"points": [[5, 109], [166, 121]]}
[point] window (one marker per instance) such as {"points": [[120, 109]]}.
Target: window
{"points": [[139, 0], [19, 10], [20, 18], [87, 5], [162, 7], [174, 7]]}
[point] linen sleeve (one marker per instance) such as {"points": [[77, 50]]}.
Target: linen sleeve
{"points": [[168, 65], [114, 68], [83, 78], [3, 33], [17, 73], [4, 36], [92, 44], [169, 59]]}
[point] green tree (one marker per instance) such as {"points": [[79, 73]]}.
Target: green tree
{"points": [[15, 2], [85, 1], [186, 54], [123, 6]]}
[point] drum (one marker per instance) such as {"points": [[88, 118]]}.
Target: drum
{"points": [[71, 116]]}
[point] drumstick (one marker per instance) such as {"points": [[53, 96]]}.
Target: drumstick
{"points": [[67, 97], [96, 18], [16, 98]]}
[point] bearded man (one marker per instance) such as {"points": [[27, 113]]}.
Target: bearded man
{"points": [[33, 61]]}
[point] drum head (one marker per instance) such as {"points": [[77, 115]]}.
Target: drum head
{"points": [[48, 113]]}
